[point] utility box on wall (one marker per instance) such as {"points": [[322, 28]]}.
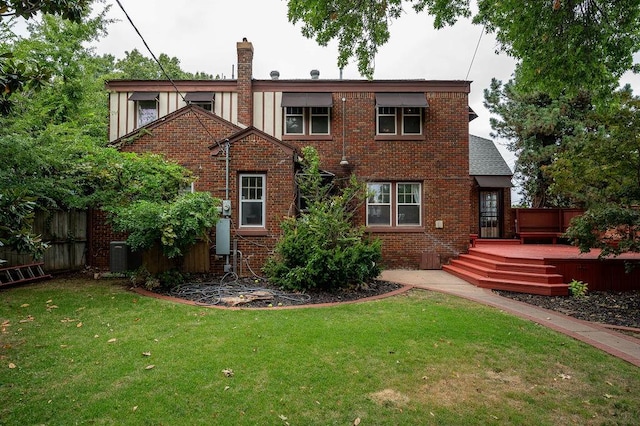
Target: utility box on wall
{"points": [[223, 237]]}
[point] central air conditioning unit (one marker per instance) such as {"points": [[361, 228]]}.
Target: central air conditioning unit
{"points": [[122, 259]]}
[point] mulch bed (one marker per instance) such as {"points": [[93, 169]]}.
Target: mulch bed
{"points": [[611, 308], [258, 293]]}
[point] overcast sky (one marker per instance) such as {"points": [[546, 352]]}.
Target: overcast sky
{"points": [[203, 34]]}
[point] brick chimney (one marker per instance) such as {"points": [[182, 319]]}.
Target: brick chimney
{"points": [[244, 89]]}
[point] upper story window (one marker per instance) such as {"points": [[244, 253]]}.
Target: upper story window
{"points": [[202, 99], [307, 113], [400, 113], [146, 107], [252, 200], [398, 204], [294, 121]]}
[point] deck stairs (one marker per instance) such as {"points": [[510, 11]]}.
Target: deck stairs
{"points": [[503, 272], [22, 274]]}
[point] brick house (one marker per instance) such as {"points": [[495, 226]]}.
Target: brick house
{"points": [[408, 139]]}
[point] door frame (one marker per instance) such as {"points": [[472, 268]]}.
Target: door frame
{"points": [[499, 213]]}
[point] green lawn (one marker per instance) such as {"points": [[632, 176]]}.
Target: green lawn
{"points": [[78, 352]]}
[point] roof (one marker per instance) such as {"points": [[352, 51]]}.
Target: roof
{"points": [[485, 159]]}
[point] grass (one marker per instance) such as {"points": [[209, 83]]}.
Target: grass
{"points": [[418, 358]]}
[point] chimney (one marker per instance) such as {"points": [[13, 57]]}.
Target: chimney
{"points": [[315, 74], [244, 83], [274, 75]]}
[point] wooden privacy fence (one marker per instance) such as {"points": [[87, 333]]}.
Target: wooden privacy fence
{"points": [[195, 260], [66, 233]]}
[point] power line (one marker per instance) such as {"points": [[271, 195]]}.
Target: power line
{"points": [[474, 54], [164, 72]]}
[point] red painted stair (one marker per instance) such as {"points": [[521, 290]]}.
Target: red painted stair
{"points": [[502, 272]]}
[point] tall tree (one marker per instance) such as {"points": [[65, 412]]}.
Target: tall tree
{"points": [[53, 140], [71, 10], [538, 126], [16, 75], [560, 45], [601, 171]]}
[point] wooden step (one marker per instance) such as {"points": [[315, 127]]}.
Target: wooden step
{"points": [[496, 242], [505, 258], [508, 266], [507, 275], [547, 289]]}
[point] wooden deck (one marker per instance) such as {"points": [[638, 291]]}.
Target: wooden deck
{"points": [[542, 268]]}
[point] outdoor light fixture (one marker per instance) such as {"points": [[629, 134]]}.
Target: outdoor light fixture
{"points": [[343, 161]]}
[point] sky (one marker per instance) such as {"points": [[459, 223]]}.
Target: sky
{"points": [[203, 34]]}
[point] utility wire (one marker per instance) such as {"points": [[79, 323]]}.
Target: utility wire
{"points": [[164, 72], [474, 53]]}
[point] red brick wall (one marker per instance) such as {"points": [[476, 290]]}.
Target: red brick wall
{"points": [[440, 161], [182, 138]]}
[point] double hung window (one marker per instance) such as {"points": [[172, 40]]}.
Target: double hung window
{"points": [[307, 113], [252, 200], [400, 113], [398, 204]]}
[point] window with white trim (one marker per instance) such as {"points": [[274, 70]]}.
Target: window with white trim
{"points": [[306, 120], [411, 121], [252, 200], [202, 99], [408, 120], [294, 121], [408, 197], [394, 205], [319, 120], [379, 204], [386, 120], [147, 111]]}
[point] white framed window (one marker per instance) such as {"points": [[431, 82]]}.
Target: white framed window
{"points": [[379, 204], [252, 200], [411, 121], [294, 121], [398, 204], [147, 111], [408, 198], [202, 99], [319, 119], [187, 188], [408, 120], [208, 105], [386, 120]]}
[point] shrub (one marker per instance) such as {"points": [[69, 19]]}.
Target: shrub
{"points": [[321, 249], [175, 225], [578, 288]]}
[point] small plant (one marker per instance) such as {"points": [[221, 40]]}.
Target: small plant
{"points": [[578, 288]]}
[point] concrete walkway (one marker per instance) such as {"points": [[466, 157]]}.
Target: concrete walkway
{"points": [[615, 343]]}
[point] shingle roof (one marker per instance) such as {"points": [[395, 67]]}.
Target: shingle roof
{"points": [[485, 159]]}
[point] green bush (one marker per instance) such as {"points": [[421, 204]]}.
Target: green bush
{"points": [[578, 288], [322, 249], [175, 225]]}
